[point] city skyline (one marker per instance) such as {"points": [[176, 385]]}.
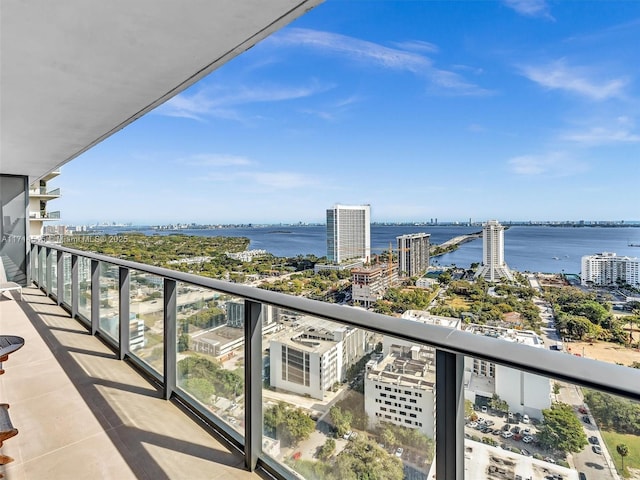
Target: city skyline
{"points": [[520, 109]]}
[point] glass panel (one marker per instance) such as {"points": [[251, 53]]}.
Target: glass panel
{"points": [[54, 272], [84, 287], [66, 266], [346, 403], [146, 321], [43, 266], [521, 425], [109, 307], [34, 262], [13, 227], [210, 339]]}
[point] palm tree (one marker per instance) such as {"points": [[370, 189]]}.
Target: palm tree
{"points": [[623, 451]]}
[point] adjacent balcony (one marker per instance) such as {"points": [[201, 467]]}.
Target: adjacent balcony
{"points": [[44, 215], [41, 192], [288, 387]]}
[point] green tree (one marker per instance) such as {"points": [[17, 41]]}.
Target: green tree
{"points": [[341, 420], [183, 342], [291, 425], [327, 449], [561, 429], [366, 460], [623, 451]]}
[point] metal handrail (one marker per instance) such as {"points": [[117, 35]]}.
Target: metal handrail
{"points": [[611, 378]]}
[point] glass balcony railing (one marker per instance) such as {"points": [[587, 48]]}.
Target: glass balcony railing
{"points": [[321, 391], [43, 215], [42, 191]]}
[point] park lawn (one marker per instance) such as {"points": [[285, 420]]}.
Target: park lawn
{"points": [[632, 441], [458, 303]]}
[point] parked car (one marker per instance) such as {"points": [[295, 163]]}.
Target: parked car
{"points": [[347, 435], [527, 439], [526, 453], [399, 452], [596, 449], [586, 419], [483, 409], [472, 424], [489, 423], [582, 410], [497, 431], [507, 434], [594, 440], [525, 418], [505, 428], [515, 429], [582, 476]]}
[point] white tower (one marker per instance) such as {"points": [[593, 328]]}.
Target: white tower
{"points": [[348, 233], [493, 266]]}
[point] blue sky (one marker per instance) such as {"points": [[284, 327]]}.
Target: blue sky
{"points": [[514, 109]]}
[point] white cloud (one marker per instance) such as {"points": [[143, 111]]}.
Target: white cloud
{"points": [[557, 164], [530, 8], [216, 160], [559, 76], [406, 58], [219, 101], [601, 136]]}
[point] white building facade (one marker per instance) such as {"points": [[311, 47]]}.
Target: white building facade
{"points": [[348, 233], [493, 267], [413, 254], [310, 357], [608, 269]]}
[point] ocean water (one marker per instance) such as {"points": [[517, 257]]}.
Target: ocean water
{"points": [[527, 248]]}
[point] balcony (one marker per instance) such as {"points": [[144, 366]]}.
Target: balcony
{"points": [[44, 215], [41, 192], [213, 349]]}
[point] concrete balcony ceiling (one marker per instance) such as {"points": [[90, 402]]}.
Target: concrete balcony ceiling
{"points": [[75, 72]]}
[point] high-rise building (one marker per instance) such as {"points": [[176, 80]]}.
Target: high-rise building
{"points": [[607, 269], [369, 284], [493, 266], [348, 233], [413, 254]]}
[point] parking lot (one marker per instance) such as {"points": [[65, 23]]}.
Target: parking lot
{"points": [[512, 432]]}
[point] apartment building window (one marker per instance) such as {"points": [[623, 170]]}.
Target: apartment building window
{"points": [[403, 413], [413, 415], [393, 397], [413, 400], [295, 366], [387, 402], [403, 399]]}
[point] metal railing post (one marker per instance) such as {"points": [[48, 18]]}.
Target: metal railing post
{"points": [[95, 296], [75, 286], [449, 415], [60, 277], [48, 274], [123, 312], [40, 267], [252, 383], [170, 342]]}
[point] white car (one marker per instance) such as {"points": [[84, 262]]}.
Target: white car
{"points": [[347, 435], [527, 439], [472, 424], [399, 452], [525, 418], [507, 434]]}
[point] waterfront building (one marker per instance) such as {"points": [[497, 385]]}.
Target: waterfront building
{"points": [[311, 355], [493, 267], [348, 233], [608, 269], [413, 254], [368, 284], [39, 195]]}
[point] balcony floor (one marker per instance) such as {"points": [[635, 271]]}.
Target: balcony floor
{"points": [[81, 413]]}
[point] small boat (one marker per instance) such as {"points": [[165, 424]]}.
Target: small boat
{"points": [[633, 245], [556, 258]]}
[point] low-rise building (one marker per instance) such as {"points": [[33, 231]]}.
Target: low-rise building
{"points": [[524, 392], [310, 355], [369, 284]]}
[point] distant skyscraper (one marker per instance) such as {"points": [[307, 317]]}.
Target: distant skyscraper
{"points": [[348, 233], [493, 266], [413, 254]]}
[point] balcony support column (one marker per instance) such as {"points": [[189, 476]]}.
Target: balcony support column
{"points": [[252, 383], [170, 342], [95, 296], [124, 313], [75, 286], [449, 416], [59, 277], [48, 267]]}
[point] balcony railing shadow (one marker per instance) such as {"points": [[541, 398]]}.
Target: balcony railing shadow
{"points": [[81, 413]]}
